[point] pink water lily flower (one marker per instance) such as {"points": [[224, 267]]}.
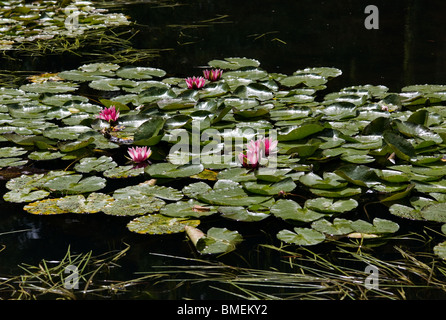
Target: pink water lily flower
{"points": [[139, 154], [251, 159], [195, 82], [256, 150], [266, 146], [270, 145], [213, 75], [109, 114]]}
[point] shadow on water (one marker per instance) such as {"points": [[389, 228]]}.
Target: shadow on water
{"points": [[285, 37]]}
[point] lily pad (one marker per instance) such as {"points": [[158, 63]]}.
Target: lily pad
{"points": [[189, 208], [217, 240], [121, 172], [92, 164], [226, 192], [130, 207], [160, 224], [301, 236], [234, 63], [288, 209], [75, 184], [336, 228], [242, 214], [169, 170], [140, 73], [327, 205]]}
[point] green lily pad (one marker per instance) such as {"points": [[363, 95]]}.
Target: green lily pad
{"points": [[299, 132], [169, 170], [440, 250], [25, 195], [242, 214], [160, 224], [12, 162], [44, 207], [327, 205], [233, 63], [45, 155], [108, 84], [340, 111], [301, 236], [140, 73], [95, 202], [288, 209], [95, 164], [65, 133], [190, 208], [120, 172], [263, 188], [227, 192], [75, 183], [379, 226], [336, 228], [130, 207], [337, 193], [194, 189], [359, 175], [49, 87], [236, 174], [147, 189], [217, 240], [329, 181]]}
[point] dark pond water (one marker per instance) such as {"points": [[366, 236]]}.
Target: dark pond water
{"points": [[408, 48]]}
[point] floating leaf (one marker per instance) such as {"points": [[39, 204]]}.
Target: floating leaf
{"points": [[329, 181], [95, 164], [218, 240], [440, 250], [123, 172], [242, 214], [336, 228], [130, 207], [75, 184], [233, 63], [12, 162], [25, 195], [189, 208], [160, 224], [49, 87], [285, 185], [44, 207], [327, 205], [169, 170], [301, 236], [287, 209], [140, 73], [226, 192], [299, 132]]}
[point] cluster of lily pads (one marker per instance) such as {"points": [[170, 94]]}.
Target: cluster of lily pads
{"points": [[22, 22], [334, 151]]}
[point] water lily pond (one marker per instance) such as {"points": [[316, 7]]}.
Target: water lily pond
{"points": [[182, 150]]}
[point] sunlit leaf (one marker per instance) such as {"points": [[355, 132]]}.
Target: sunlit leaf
{"points": [[160, 224]]}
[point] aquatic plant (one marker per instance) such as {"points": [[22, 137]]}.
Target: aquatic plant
{"points": [[213, 74], [195, 82], [139, 154], [331, 156], [109, 114]]}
